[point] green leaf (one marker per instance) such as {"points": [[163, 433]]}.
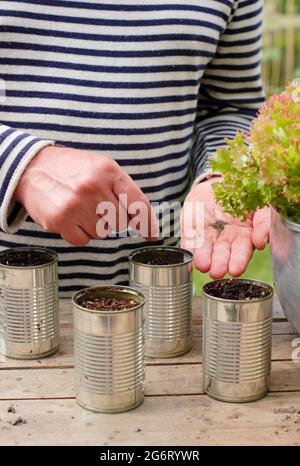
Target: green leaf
{"points": [[264, 168]]}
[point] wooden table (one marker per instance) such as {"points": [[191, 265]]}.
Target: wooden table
{"points": [[175, 411]]}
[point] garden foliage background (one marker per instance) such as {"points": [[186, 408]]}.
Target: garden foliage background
{"points": [[280, 64]]}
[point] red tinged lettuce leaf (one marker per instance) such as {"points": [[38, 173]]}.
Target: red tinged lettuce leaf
{"points": [[263, 168]]}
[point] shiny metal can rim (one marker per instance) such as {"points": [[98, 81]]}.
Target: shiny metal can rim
{"points": [[247, 399], [236, 301], [294, 226], [31, 356], [118, 288], [156, 248], [291, 224], [49, 251], [110, 411], [161, 355]]}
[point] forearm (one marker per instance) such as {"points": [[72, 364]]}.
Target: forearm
{"points": [[17, 149]]}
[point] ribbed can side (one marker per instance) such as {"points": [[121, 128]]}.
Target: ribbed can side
{"points": [[109, 357], [29, 315], [168, 319], [236, 348]]}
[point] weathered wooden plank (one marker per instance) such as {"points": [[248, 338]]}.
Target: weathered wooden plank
{"points": [[187, 379], [64, 358], [278, 312], [165, 420], [160, 380], [36, 383], [282, 350], [282, 328], [282, 347]]}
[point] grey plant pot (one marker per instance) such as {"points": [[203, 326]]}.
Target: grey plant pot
{"points": [[285, 251]]}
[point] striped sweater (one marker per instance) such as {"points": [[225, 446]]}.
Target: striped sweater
{"points": [[154, 84]]}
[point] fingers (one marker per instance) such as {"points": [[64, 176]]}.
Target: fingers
{"points": [[138, 204], [88, 223], [261, 227], [240, 256], [111, 216], [220, 258], [230, 252], [75, 236], [203, 255]]}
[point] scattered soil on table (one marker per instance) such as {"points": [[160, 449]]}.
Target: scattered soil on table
{"points": [[108, 303], [289, 410], [11, 410], [159, 257], [234, 415], [289, 414], [235, 290], [24, 258], [18, 421]]}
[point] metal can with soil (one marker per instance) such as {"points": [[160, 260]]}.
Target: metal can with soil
{"points": [[163, 274], [109, 349], [29, 319], [237, 339]]}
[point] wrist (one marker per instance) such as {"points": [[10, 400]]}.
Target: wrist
{"points": [[207, 175], [207, 182], [212, 179], [25, 181]]}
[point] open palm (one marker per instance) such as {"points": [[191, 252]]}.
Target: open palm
{"points": [[228, 242]]}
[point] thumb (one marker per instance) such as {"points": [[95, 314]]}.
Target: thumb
{"points": [[261, 227]]}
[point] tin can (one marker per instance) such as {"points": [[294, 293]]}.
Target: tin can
{"points": [[109, 352], [237, 341], [29, 303], [168, 291]]}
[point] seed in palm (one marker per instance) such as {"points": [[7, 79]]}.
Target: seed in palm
{"points": [[219, 225]]}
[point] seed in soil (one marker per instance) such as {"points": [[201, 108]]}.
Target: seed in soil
{"points": [[24, 258], [235, 290], [107, 303], [159, 257]]}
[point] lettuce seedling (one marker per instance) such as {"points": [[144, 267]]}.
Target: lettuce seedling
{"points": [[263, 167]]}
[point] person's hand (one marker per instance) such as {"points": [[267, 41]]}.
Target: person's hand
{"points": [[226, 250], [61, 189]]}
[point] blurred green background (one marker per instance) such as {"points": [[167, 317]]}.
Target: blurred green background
{"points": [[280, 64]]}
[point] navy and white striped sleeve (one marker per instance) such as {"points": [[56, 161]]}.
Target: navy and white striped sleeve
{"points": [[17, 149], [231, 90]]}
